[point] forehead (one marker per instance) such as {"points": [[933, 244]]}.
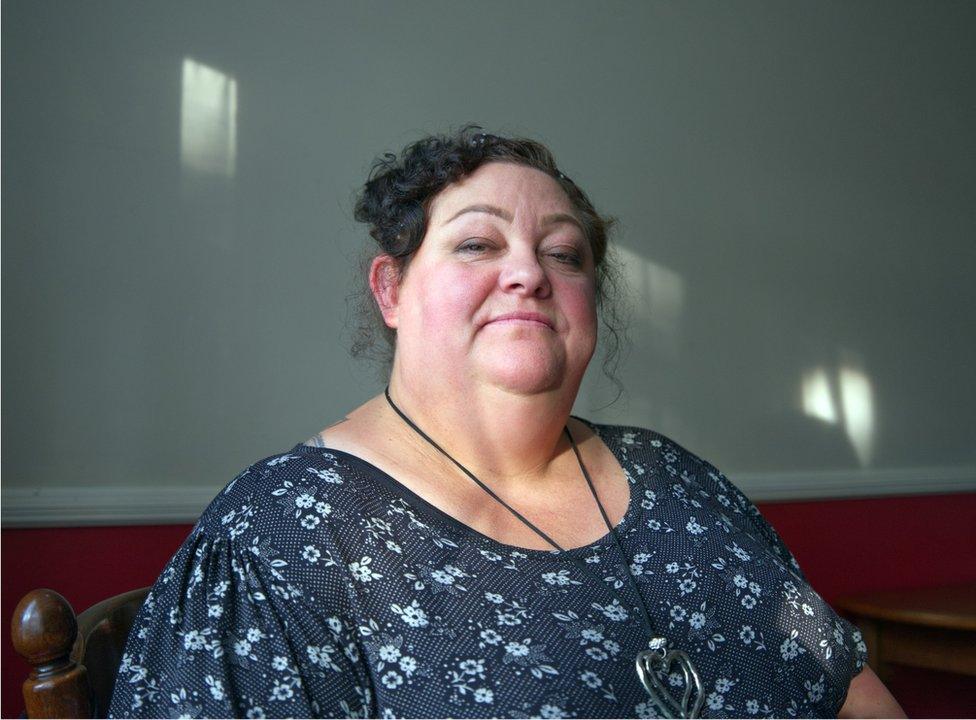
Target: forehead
{"points": [[509, 186]]}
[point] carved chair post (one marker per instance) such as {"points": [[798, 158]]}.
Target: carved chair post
{"points": [[44, 630]]}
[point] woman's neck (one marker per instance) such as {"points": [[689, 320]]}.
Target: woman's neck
{"points": [[505, 436]]}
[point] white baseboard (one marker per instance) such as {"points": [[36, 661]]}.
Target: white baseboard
{"points": [[102, 505], [79, 506], [840, 484]]}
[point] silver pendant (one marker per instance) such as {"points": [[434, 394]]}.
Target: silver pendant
{"points": [[657, 660]]}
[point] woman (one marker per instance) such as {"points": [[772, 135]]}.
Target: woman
{"points": [[460, 545]]}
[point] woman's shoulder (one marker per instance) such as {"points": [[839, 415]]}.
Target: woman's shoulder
{"points": [[279, 487]]}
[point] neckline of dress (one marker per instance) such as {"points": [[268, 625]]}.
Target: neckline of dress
{"points": [[437, 515]]}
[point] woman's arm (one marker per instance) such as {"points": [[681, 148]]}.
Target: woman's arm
{"points": [[867, 697]]}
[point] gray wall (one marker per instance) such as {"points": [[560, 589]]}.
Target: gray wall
{"points": [[794, 182]]}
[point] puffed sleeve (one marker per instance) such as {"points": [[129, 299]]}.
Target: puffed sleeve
{"points": [[752, 519], [840, 643], [227, 632]]}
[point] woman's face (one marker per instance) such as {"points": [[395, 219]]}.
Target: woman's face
{"points": [[502, 289]]}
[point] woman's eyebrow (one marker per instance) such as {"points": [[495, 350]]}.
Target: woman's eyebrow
{"points": [[505, 215], [490, 209]]}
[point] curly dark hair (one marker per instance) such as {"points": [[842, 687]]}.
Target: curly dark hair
{"points": [[395, 204]]}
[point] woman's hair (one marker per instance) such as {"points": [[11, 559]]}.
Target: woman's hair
{"points": [[395, 204]]}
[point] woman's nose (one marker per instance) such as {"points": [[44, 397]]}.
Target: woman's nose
{"points": [[524, 274]]}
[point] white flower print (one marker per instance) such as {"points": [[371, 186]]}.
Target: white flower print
{"points": [[560, 578], [442, 577], [392, 680], [362, 572], [807, 610], [615, 611], [591, 634], [323, 508], [279, 663], [748, 602], [755, 589], [310, 522], [494, 598], [740, 581], [215, 611], [304, 501], [611, 646], [216, 687], [242, 647], [311, 554], [254, 634], [280, 691], [815, 691], [491, 637], [715, 701], [697, 620], [752, 706], [591, 679], [408, 665], [678, 613], [747, 634], [596, 653], [790, 647], [472, 667], [483, 695], [328, 475], [723, 685], [644, 711], [254, 712], [687, 585], [412, 614], [552, 711], [517, 649], [739, 552], [193, 640], [389, 653]]}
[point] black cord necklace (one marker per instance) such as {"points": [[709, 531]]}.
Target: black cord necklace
{"points": [[649, 662]]}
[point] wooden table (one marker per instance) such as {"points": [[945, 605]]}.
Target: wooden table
{"points": [[933, 628]]}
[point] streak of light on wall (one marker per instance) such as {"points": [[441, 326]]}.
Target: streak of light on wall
{"points": [[817, 401], [851, 390], [857, 402], [208, 120], [659, 299]]}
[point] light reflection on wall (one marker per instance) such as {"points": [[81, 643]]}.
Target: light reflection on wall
{"points": [[854, 394], [817, 401], [858, 406], [659, 297], [208, 122]]}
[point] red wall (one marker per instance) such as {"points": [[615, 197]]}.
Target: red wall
{"points": [[844, 546]]}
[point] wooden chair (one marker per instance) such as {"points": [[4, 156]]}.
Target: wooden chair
{"points": [[74, 660]]}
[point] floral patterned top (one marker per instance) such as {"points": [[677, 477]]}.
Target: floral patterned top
{"points": [[316, 585]]}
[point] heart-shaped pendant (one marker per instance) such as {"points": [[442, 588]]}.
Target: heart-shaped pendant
{"points": [[651, 662]]}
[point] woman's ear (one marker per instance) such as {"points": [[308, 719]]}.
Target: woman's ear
{"points": [[384, 282]]}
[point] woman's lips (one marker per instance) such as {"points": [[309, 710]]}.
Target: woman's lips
{"points": [[527, 318]]}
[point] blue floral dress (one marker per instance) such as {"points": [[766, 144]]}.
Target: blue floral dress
{"points": [[316, 585]]}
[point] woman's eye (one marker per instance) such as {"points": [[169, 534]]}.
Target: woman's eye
{"points": [[474, 245], [567, 257]]}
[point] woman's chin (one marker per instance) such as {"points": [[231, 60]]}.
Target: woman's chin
{"points": [[525, 375]]}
